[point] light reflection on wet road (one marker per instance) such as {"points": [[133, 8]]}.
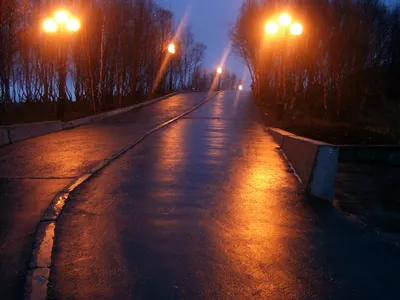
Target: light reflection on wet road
{"points": [[34, 170], [205, 209]]}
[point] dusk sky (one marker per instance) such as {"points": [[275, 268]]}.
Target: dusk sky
{"points": [[211, 21]]}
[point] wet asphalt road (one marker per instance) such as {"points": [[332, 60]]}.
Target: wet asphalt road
{"points": [[207, 209], [33, 171]]}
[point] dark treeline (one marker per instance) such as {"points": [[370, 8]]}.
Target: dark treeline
{"points": [[114, 60], [344, 67], [205, 80]]}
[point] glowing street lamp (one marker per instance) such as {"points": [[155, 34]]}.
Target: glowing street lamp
{"points": [[272, 28], [281, 24], [61, 16], [240, 87], [62, 22], [285, 20], [171, 48], [296, 29], [284, 27], [219, 72], [73, 25]]}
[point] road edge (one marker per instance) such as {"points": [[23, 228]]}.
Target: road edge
{"points": [[14, 133], [36, 285]]}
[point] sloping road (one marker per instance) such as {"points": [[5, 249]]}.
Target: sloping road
{"points": [[33, 171], [207, 209]]}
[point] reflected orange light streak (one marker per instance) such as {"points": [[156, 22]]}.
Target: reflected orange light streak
{"points": [[250, 236]]}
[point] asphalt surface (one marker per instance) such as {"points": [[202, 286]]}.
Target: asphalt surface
{"points": [[206, 208], [33, 171]]}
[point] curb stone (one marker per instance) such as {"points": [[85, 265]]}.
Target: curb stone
{"points": [[19, 132]]}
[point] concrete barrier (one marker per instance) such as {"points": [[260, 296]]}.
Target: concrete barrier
{"points": [[4, 138], [278, 135], [314, 162], [25, 131], [102, 116]]}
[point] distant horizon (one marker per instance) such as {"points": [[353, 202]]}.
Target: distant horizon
{"points": [[211, 22]]}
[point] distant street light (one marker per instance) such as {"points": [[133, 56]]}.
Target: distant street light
{"points": [[240, 87], [62, 23], [219, 72], [284, 28], [171, 50]]}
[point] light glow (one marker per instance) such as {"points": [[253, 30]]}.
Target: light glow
{"points": [[285, 19], [296, 29], [61, 16], [171, 48], [240, 87], [219, 70], [73, 25], [49, 25], [271, 28]]}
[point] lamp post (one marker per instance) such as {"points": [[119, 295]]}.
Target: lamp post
{"points": [[171, 50], [60, 24], [285, 28], [219, 72]]}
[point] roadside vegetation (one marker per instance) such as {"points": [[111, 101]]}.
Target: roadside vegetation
{"points": [[117, 58], [341, 75]]}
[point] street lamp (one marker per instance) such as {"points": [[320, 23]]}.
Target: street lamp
{"points": [[171, 50], [61, 23], [240, 87], [285, 28], [219, 71], [285, 19]]}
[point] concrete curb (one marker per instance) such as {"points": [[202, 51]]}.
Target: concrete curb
{"points": [[4, 136], [41, 259], [102, 116], [22, 132], [315, 162], [14, 133]]}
